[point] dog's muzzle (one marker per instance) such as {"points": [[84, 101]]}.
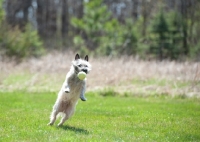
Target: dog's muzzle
{"points": [[84, 70]]}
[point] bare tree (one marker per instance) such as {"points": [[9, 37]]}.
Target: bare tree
{"points": [[46, 17], [135, 5], [41, 12], [184, 11], [65, 18], [17, 12]]}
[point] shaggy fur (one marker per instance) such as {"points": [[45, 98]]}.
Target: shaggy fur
{"points": [[72, 89]]}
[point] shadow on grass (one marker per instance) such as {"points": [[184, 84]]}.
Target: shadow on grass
{"points": [[76, 130]]}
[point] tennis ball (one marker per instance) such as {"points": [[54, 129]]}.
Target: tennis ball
{"points": [[81, 75]]}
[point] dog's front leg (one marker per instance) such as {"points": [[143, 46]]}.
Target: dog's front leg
{"points": [[66, 87], [82, 95], [67, 90]]}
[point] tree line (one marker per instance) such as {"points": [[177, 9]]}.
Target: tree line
{"points": [[158, 29]]}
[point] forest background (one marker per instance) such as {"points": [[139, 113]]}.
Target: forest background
{"points": [[145, 29], [145, 79]]}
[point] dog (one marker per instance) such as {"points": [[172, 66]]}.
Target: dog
{"points": [[72, 89]]}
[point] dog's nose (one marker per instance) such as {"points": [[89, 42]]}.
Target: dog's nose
{"points": [[84, 70]]}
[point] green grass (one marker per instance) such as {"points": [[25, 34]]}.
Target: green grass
{"points": [[24, 117]]}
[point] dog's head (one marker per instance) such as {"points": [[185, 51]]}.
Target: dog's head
{"points": [[81, 64]]}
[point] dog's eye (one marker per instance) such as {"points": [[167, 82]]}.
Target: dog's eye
{"points": [[80, 65], [86, 66]]}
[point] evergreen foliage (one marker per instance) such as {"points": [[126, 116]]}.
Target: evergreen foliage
{"points": [[101, 33]]}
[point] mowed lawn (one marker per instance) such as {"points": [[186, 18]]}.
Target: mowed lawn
{"points": [[24, 117]]}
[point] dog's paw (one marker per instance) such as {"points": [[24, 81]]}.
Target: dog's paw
{"points": [[67, 90], [83, 99], [49, 124], [59, 125]]}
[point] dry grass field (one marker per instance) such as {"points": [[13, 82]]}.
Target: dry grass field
{"points": [[122, 75]]}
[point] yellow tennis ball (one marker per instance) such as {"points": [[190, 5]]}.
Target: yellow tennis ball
{"points": [[81, 75]]}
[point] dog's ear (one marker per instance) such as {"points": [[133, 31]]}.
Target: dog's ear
{"points": [[77, 57], [86, 58]]}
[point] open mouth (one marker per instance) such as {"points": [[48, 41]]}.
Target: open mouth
{"points": [[85, 71]]}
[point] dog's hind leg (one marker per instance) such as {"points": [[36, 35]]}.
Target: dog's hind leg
{"points": [[68, 113], [53, 117], [64, 118], [82, 95], [54, 113]]}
